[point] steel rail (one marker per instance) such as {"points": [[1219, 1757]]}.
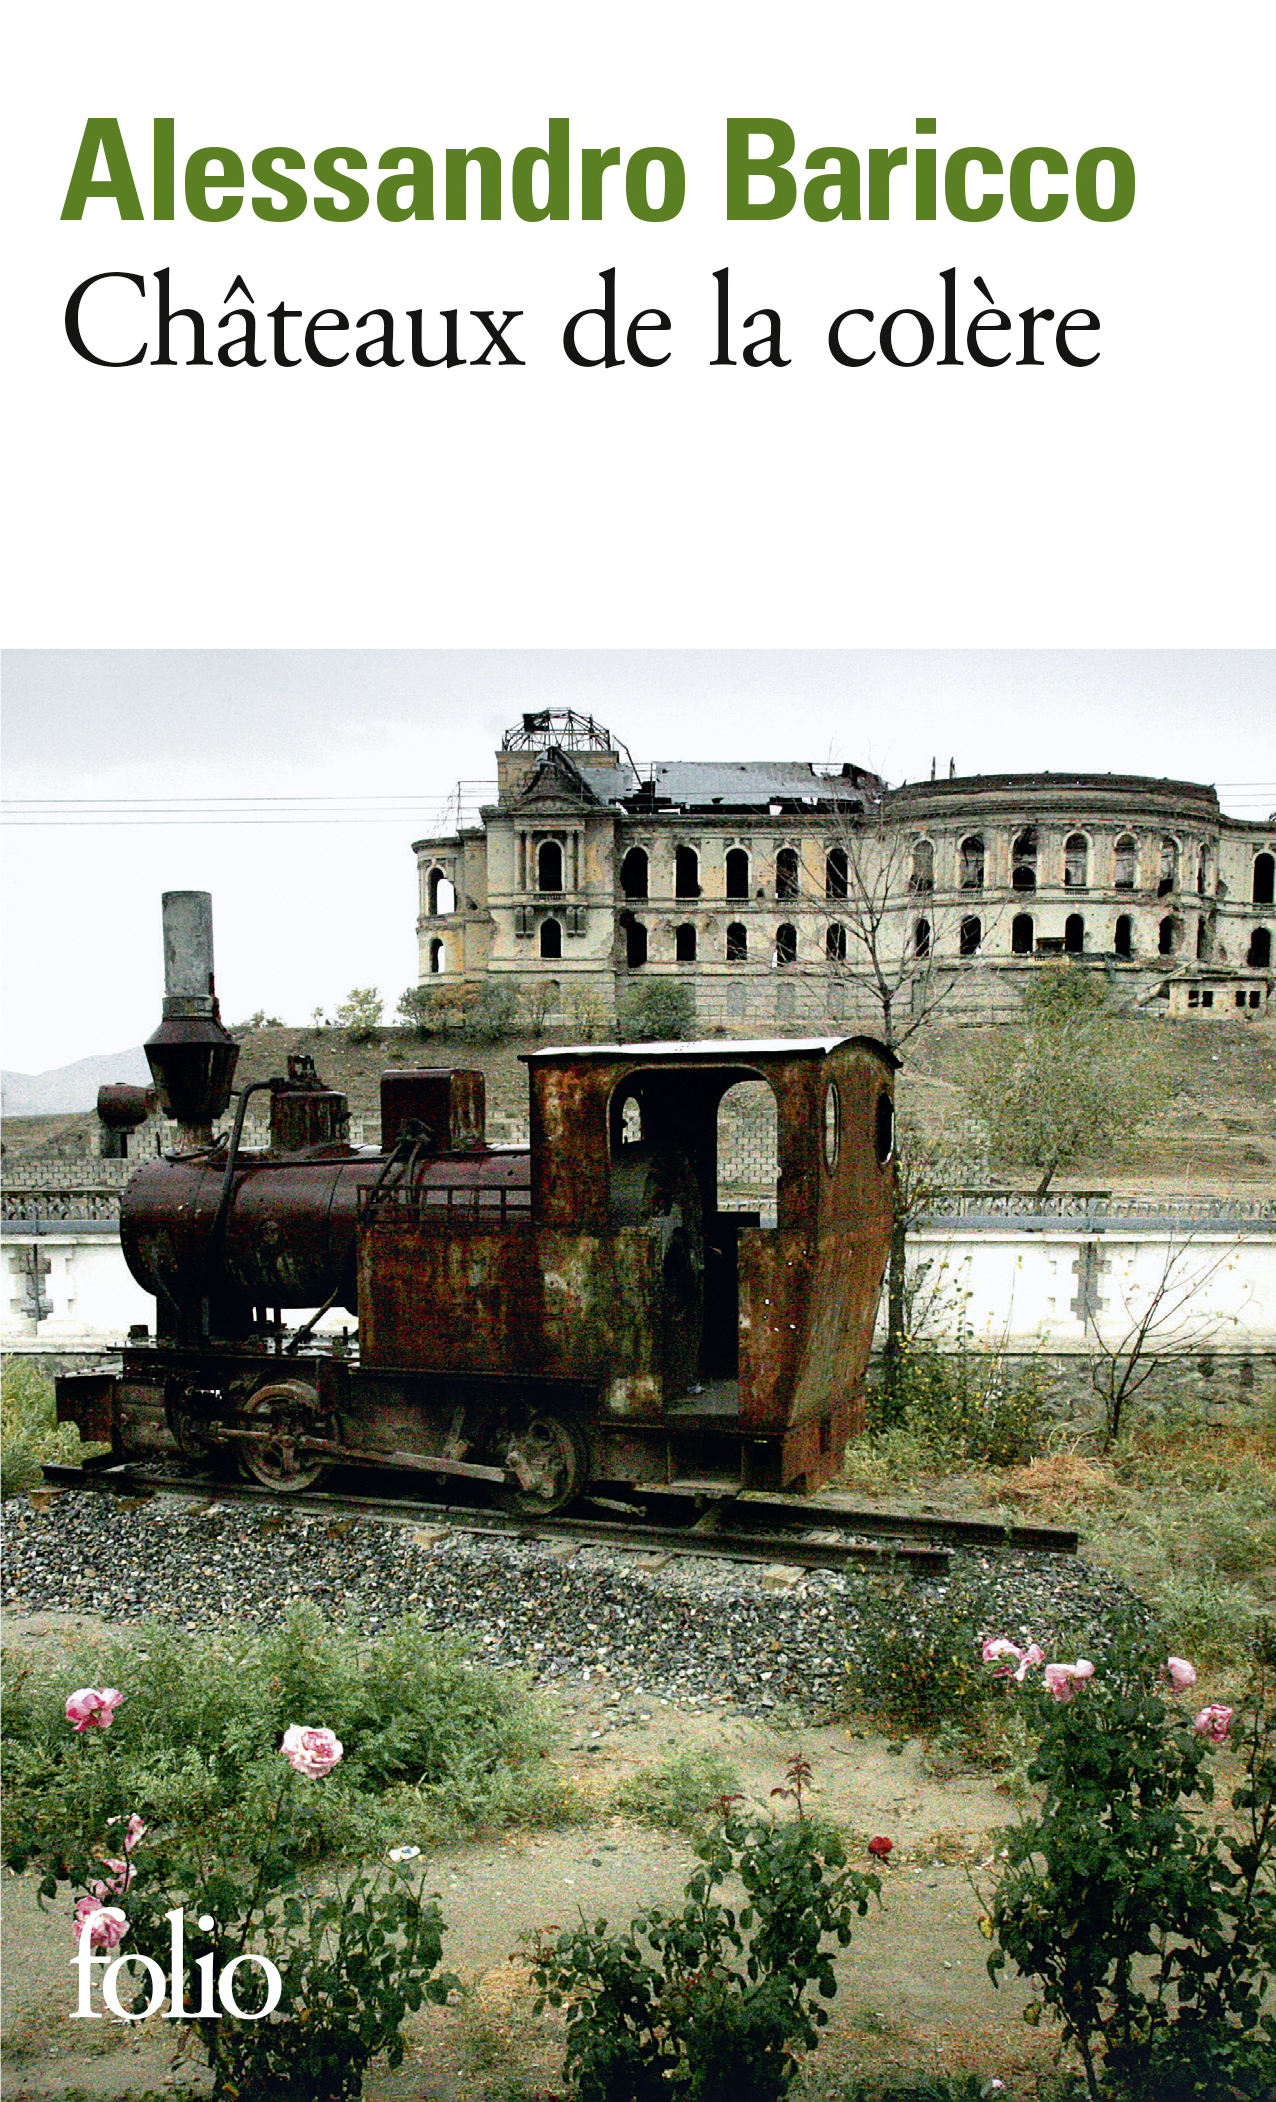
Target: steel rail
{"points": [[707, 1536]]}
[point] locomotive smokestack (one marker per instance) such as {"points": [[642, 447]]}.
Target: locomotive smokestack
{"points": [[188, 952], [190, 1055]]}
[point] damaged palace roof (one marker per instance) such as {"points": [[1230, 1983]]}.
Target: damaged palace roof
{"points": [[692, 784]]}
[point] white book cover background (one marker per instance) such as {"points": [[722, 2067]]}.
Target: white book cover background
{"points": [[715, 561]]}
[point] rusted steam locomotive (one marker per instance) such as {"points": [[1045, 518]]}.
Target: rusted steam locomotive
{"points": [[580, 1310]]}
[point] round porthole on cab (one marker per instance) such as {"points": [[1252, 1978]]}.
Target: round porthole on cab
{"points": [[832, 1126], [885, 1133]]}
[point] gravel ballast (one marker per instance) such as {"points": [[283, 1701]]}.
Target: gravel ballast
{"points": [[684, 1629]]}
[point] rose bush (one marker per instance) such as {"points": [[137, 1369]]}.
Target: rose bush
{"points": [[1150, 1930], [352, 1960]]}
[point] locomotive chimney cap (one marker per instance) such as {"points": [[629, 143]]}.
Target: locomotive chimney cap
{"points": [[188, 953]]}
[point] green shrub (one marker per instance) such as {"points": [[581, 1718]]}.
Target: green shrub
{"points": [[360, 1014], [30, 1433], [716, 2015], [658, 1010], [963, 1406], [681, 1794], [491, 1015], [436, 1744], [919, 1666]]}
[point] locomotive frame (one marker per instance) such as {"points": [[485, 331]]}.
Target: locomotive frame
{"points": [[537, 1319]]}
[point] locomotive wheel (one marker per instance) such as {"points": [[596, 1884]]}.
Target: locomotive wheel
{"points": [[549, 1458], [287, 1411]]}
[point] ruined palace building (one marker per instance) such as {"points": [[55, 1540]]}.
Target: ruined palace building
{"points": [[764, 886]]}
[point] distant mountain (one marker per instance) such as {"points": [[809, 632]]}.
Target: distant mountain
{"points": [[70, 1088]]}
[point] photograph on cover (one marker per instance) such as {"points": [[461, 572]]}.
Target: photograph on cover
{"points": [[610, 1253]]}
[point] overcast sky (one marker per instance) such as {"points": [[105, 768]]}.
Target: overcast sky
{"points": [[304, 910]]}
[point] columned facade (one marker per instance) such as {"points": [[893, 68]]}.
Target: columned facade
{"points": [[757, 884]]}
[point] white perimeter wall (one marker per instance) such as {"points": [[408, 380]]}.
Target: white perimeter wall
{"points": [[998, 1286]]}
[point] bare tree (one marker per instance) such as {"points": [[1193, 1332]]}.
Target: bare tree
{"points": [[890, 937], [1162, 1318], [893, 938]]}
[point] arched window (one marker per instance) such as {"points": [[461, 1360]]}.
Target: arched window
{"points": [[1023, 860], [1073, 934], [1264, 876], [633, 873], [835, 943], [684, 943], [1076, 861], [786, 873], [1127, 861], [1165, 937], [441, 895], [551, 938], [972, 862], [1021, 934], [748, 1165], [923, 876], [549, 868], [921, 937], [971, 936], [1260, 949], [737, 873], [438, 957], [737, 943], [635, 942], [686, 872], [786, 944], [1124, 940], [1202, 871], [1169, 877], [1202, 937], [835, 873]]}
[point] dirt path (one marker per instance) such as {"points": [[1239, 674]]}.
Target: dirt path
{"points": [[913, 1988]]}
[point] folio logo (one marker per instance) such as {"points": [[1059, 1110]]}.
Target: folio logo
{"points": [[216, 1997]]}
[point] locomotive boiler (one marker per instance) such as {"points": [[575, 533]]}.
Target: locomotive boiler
{"points": [[592, 1308]]}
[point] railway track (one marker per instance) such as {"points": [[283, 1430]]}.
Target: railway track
{"points": [[681, 1520]]}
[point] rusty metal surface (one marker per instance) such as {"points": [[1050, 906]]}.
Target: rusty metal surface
{"points": [[450, 1102], [518, 1299], [122, 1107], [289, 1235]]}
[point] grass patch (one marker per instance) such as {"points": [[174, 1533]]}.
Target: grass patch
{"points": [[681, 1793], [436, 1746], [1183, 1509], [30, 1432]]}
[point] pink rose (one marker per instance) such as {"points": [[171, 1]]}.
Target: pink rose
{"points": [[133, 1830], [105, 1925], [92, 1704], [122, 1874], [1181, 1673], [310, 1752], [1214, 1722], [1061, 1679], [997, 1646]]}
